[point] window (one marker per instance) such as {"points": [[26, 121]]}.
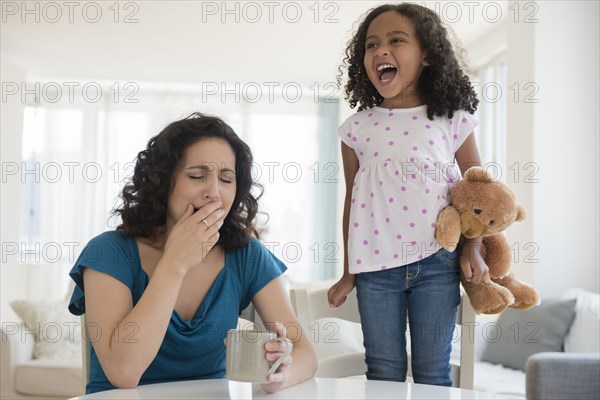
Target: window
{"points": [[492, 89], [80, 154]]}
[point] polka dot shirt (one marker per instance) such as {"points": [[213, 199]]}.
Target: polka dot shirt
{"points": [[406, 170]]}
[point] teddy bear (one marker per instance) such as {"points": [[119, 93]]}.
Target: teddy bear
{"points": [[483, 207]]}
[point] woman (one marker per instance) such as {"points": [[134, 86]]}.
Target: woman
{"points": [[161, 291]]}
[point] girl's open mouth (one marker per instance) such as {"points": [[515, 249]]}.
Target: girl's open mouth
{"points": [[386, 72]]}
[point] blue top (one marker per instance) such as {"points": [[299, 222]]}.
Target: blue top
{"points": [[191, 349]]}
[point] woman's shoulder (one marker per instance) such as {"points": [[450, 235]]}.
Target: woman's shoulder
{"points": [[256, 253]]}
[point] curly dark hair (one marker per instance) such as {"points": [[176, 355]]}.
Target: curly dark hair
{"points": [[144, 198], [443, 86]]}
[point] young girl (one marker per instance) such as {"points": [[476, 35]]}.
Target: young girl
{"points": [[415, 118], [161, 291]]}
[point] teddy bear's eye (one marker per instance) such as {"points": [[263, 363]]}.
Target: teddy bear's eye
{"points": [[492, 222], [477, 211]]}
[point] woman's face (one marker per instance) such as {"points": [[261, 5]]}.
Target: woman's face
{"points": [[206, 173]]}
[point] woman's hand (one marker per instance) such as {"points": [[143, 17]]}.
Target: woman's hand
{"points": [[274, 350], [194, 235], [337, 293], [473, 266]]}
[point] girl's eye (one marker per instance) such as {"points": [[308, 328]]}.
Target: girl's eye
{"points": [[371, 45], [396, 41]]}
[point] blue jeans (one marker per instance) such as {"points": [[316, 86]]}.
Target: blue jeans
{"points": [[429, 291]]}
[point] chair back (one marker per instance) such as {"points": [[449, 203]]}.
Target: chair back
{"points": [[310, 303]]}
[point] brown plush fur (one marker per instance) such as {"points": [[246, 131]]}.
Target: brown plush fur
{"points": [[483, 207]]}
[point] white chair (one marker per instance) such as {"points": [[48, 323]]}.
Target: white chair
{"points": [[311, 306]]}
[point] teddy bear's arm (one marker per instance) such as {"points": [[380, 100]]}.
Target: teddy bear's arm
{"points": [[447, 228]]}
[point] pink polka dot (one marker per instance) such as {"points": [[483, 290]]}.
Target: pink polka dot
{"points": [[433, 225], [368, 139], [427, 191], [415, 148], [428, 126], [390, 143], [354, 139], [444, 137], [353, 201], [356, 225], [369, 114], [365, 242], [361, 153], [431, 142], [412, 224], [412, 159], [413, 242], [356, 122], [349, 134], [387, 220], [380, 183], [383, 267], [387, 128], [385, 164], [372, 215], [376, 231], [464, 121], [423, 211], [414, 176], [391, 199], [363, 205], [376, 154], [405, 208], [405, 133], [376, 251], [420, 257], [403, 188], [426, 166], [396, 255], [359, 261], [398, 236], [376, 123], [372, 194], [414, 117], [397, 172], [390, 114], [455, 137]]}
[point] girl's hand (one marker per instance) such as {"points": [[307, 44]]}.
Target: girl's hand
{"points": [[337, 293], [274, 350], [194, 235], [473, 266]]}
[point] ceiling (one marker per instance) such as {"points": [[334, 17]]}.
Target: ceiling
{"points": [[197, 41]]}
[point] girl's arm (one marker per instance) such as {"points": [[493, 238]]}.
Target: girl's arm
{"points": [[472, 264], [273, 306], [338, 292], [128, 338]]}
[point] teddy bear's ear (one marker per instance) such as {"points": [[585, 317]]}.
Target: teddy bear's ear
{"points": [[521, 214], [478, 174]]}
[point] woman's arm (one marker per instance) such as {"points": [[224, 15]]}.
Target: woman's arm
{"points": [[129, 337], [472, 264], [338, 292], [273, 306]]}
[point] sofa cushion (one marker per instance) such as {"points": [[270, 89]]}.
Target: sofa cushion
{"points": [[57, 331], [51, 378], [584, 335], [519, 334]]}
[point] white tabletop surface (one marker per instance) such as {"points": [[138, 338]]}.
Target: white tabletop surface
{"points": [[316, 388]]}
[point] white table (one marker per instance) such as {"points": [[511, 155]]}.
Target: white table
{"points": [[316, 388]]}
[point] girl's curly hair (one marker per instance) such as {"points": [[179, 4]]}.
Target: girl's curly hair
{"points": [[443, 85], [145, 198]]}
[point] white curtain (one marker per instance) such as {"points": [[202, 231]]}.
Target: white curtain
{"points": [[80, 153]]}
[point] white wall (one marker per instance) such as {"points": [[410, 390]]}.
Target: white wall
{"points": [[12, 278], [565, 138]]}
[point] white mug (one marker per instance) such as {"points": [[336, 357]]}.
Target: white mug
{"points": [[246, 351]]}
